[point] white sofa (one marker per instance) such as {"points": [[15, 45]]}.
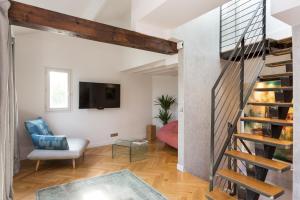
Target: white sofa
{"points": [[77, 148]]}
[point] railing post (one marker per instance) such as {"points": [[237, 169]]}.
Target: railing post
{"points": [[264, 21], [242, 73], [234, 190], [212, 142], [229, 158]]}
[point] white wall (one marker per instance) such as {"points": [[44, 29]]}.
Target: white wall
{"points": [[181, 122], [296, 93], [276, 29], [164, 85], [89, 61], [199, 68]]}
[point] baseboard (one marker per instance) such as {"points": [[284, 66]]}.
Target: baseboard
{"points": [[99, 144], [180, 167]]}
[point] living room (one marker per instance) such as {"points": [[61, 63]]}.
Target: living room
{"points": [[86, 101], [37, 54], [40, 55]]}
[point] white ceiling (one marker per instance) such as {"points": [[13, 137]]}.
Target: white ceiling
{"points": [[167, 66], [102, 11], [173, 13], [97, 10], [287, 11], [114, 9]]}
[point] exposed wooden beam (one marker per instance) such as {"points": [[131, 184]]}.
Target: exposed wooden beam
{"points": [[37, 18]]}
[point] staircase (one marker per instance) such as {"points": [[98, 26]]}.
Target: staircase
{"points": [[240, 158]]}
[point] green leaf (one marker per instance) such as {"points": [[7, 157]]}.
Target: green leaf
{"points": [[165, 103]]}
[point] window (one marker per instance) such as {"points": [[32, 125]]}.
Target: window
{"points": [[58, 90]]}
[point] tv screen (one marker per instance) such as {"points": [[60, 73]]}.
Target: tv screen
{"points": [[99, 95]]}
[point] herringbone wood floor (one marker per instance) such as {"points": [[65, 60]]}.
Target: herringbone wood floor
{"points": [[159, 170]]}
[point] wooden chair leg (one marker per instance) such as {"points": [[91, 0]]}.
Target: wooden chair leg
{"points": [[37, 165], [74, 163], [83, 155]]}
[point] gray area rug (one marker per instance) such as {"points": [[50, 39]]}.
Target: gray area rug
{"points": [[122, 185]]}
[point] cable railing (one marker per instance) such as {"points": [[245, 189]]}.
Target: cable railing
{"points": [[233, 20], [235, 84]]}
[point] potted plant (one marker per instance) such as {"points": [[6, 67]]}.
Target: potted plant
{"points": [[165, 103]]}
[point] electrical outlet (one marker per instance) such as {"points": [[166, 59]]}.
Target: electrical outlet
{"points": [[114, 135]]}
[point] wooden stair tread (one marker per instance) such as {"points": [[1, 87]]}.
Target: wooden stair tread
{"points": [[285, 88], [285, 144], [217, 194], [273, 77], [280, 122], [280, 63], [281, 44], [278, 104], [253, 184], [259, 161], [280, 52], [287, 40]]}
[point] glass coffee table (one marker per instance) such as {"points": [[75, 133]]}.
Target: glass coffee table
{"points": [[135, 149]]}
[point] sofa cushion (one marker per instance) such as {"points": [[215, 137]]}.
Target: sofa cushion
{"points": [[50, 142], [76, 149], [38, 127], [169, 134], [169, 138]]}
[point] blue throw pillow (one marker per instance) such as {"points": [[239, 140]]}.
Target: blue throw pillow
{"points": [[50, 142], [38, 127]]}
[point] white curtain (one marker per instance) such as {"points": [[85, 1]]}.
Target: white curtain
{"points": [[14, 104], [8, 110]]}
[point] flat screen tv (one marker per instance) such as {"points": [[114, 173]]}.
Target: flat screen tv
{"points": [[99, 95]]}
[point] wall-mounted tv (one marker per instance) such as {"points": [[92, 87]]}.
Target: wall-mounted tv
{"points": [[99, 95]]}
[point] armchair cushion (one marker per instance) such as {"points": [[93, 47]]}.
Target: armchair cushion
{"points": [[38, 127], [76, 148], [50, 142]]}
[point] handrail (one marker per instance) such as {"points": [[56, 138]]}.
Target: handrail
{"points": [[231, 129], [237, 46], [238, 51]]}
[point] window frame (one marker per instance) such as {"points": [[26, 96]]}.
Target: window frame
{"points": [[47, 89]]}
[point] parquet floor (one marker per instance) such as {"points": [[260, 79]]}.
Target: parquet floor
{"points": [[159, 170]]}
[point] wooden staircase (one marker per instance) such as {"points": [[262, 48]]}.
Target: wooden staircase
{"points": [[273, 104], [260, 159], [275, 77]]}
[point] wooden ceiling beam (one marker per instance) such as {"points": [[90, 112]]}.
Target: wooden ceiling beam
{"points": [[41, 19]]}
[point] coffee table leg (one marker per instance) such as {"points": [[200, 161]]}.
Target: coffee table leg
{"points": [[112, 151]]}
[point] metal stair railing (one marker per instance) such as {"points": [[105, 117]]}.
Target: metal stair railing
{"points": [[234, 86]]}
